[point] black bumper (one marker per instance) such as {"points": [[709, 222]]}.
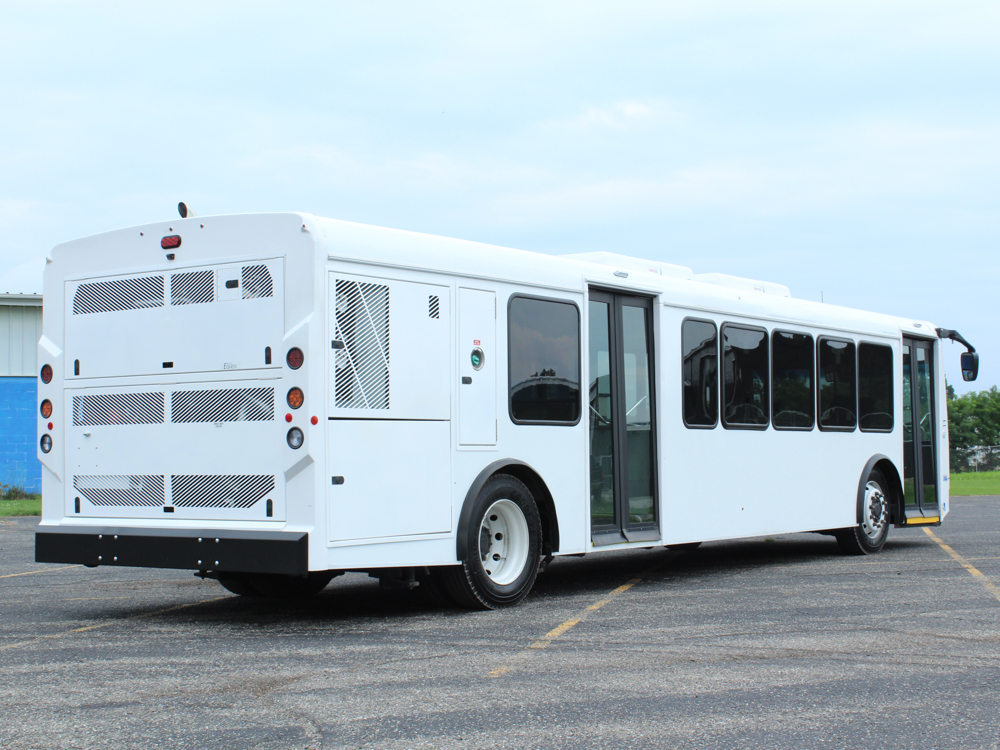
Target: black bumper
{"points": [[284, 552]]}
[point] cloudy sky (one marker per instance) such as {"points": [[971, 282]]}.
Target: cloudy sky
{"points": [[846, 149]]}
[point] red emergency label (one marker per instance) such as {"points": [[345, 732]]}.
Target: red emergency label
{"points": [[475, 341]]}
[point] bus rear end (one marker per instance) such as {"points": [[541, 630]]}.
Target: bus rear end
{"points": [[177, 369]]}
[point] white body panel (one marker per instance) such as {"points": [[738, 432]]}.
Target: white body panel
{"points": [[407, 436]]}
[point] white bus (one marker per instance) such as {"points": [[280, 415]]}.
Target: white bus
{"points": [[271, 400]]}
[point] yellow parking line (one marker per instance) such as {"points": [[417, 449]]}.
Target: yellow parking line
{"points": [[34, 572], [975, 572], [86, 628], [571, 623]]}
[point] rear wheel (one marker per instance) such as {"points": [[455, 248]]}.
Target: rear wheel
{"points": [[869, 536], [505, 545]]}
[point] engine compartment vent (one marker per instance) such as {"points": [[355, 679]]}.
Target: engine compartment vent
{"points": [[136, 293], [362, 366], [223, 405], [257, 282], [123, 490], [219, 491], [192, 288], [118, 408]]}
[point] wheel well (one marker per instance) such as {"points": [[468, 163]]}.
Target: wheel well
{"points": [[535, 484], [543, 499], [888, 470]]}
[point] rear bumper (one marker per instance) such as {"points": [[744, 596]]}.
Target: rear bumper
{"points": [[284, 552]]}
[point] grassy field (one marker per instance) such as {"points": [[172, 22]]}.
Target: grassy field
{"points": [[30, 506], [975, 483]]}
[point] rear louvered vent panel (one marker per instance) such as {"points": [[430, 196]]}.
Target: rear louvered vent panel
{"points": [[192, 288], [434, 307], [235, 405], [124, 490], [219, 491], [136, 293], [362, 366], [118, 408], [257, 282]]}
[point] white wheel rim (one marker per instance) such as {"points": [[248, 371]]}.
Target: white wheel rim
{"points": [[875, 514], [503, 542]]}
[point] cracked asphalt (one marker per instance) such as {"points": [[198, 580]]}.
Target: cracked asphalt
{"points": [[762, 643]]}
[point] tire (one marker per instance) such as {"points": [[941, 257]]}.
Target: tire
{"points": [[505, 548], [274, 586], [869, 536], [238, 585]]}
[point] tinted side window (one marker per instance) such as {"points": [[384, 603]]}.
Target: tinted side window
{"points": [[544, 353], [875, 404], [700, 362], [793, 405], [745, 376], [837, 394]]}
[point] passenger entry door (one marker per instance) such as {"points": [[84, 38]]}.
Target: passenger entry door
{"points": [[623, 476], [920, 488]]}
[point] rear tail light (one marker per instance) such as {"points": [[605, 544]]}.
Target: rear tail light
{"points": [[46, 408], [46, 443], [295, 438], [295, 358], [46, 373], [295, 398], [170, 242]]}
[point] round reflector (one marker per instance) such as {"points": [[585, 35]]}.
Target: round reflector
{"points": [[295, 358], [46, 443], [46, 408], [46, 373], [295, 438], [295, 398]]}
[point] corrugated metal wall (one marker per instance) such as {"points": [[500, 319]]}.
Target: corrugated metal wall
{"points": [[20, 329]]}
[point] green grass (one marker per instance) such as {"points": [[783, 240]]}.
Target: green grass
{"points": [[975, 483], [29, 506]]}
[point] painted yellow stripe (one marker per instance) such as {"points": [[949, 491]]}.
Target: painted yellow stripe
{"points": [[919, 521], [568, 625], [86, 628], [36, 572], [975, 572]]}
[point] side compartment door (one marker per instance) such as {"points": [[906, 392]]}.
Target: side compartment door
{"points": [[477, 358], [389, 401]]}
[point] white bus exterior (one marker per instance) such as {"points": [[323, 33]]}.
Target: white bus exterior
{"points": [[463, 410]]}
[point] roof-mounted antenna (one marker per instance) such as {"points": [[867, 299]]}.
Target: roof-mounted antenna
{"points": [[185, 211]]}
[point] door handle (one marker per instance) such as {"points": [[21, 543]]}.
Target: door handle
{"points": [[466, 380]]}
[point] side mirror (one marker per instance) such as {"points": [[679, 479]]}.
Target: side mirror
{"points": [[970, 366]]}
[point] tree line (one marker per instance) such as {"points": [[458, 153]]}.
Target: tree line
{"points": [[973, 421]]}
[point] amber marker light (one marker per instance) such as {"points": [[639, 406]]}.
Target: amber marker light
{"points": [[295, 398], [46, 409]]}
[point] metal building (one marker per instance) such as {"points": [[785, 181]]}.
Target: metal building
{"points": [[20, 329]]}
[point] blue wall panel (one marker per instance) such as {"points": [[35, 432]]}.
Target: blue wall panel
{"points": [[19, 465]]}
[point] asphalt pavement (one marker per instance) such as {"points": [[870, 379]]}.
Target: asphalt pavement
{"points": [[765, 643]]}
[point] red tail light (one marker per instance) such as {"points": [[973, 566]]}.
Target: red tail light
{"points": [[46, 373], [295, 358], [170, 242]]}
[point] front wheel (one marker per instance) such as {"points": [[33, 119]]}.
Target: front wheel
{"points": [[504, 548], [869, 536]]}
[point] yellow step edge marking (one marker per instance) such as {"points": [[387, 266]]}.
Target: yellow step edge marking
{"points": [[926, 519], [975, 572]]}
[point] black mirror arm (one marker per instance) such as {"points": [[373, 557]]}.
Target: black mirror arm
{"points": [[947, 333]]}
